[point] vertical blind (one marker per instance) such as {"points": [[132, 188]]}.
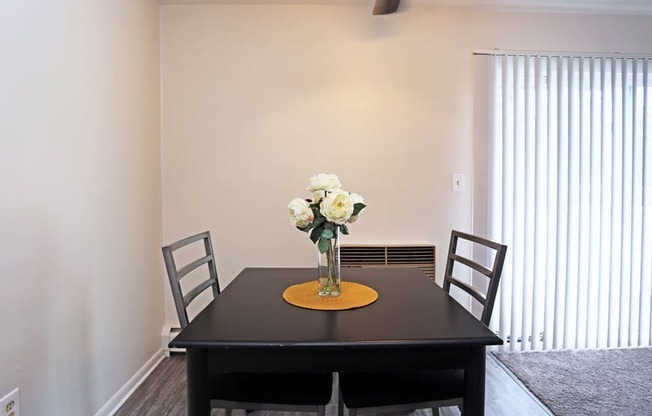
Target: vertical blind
{"points": [[568, 168]]}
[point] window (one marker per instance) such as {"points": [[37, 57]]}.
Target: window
{"points": [[564, 178]]}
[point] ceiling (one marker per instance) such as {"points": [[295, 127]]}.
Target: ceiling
{"points": [[632, 7]]}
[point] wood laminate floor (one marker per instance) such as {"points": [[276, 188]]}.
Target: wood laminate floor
{"points": [[163, 393]]}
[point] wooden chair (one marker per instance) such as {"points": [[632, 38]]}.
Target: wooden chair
{"points": [[273, 392], [405, 391]]}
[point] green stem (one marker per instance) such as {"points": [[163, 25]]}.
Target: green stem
{"points": [[330, 258]]}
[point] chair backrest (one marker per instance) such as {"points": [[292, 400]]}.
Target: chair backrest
{"points": [[493, 273], [175, 274]]}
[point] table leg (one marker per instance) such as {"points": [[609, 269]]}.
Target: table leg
{"points": [[196, 371], [474, 381]]}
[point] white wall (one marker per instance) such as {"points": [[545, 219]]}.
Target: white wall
{"points": [[257, 98], [80, 216]]}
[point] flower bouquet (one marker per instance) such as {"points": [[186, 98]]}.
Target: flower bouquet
{"points": [[325, 216]]}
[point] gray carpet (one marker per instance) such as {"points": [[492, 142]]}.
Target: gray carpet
{"points": [[588, 382]]}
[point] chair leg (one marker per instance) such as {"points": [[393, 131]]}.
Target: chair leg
{"points": [[340, 403]]}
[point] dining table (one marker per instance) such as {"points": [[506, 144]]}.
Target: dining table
{"points": [[413, 325]]}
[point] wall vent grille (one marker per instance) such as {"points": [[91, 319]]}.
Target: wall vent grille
{"points": [[405, 255]]}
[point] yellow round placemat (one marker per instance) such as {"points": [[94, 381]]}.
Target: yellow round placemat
{"points": [[353, 295]]}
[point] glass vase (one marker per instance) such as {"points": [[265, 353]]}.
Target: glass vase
{"points": [[328, 268]]}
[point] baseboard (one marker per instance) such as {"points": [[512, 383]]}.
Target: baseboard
{"points": [[114, 403]]}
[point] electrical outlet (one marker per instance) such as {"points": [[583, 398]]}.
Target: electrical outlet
{"points": [[10, 404]]}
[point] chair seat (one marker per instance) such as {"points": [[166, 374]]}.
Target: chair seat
{"points": [[279, 389], [379, 389]]}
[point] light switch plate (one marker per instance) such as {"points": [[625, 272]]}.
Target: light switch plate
{"points": [[458, 184]]}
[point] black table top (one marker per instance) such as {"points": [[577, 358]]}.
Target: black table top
{"points": [[411, 311]]}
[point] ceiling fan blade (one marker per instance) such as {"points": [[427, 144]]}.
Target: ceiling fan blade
{"points": [[386, 6]]}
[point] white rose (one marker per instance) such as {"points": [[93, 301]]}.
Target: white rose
{"points": [[357, 199], [318, 196], [300, 213], [337, 207], [325, 182]]}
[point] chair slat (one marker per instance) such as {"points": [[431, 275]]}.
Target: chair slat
{"points": [[188, 240], [468, 289], [196, 291], [192, 266], [470, 263]]}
